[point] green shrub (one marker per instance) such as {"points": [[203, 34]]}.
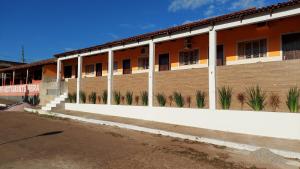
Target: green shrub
{"points": [[256, 98], [144, 96], [293, 99], [82, 97], [93, 97], [161, 99], [104, 97], [225, 94], [200, 99], [274, 101], [178, 99], [129, 96], [117, 97]]}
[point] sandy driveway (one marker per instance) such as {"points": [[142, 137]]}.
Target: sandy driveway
{"points": [[35, 142]]}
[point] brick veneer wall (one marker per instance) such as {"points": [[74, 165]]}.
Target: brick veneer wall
{"points": [[276, 77]]}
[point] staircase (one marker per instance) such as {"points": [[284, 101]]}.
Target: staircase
{"points": [[55, 102]]}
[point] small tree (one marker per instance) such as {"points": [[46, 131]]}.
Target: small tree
{"points": [[188, 100], [241, 98], [274, 101], [137, 99], [170, 100]]}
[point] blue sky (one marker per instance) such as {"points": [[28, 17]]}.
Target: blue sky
{"points": [[48, 27]]}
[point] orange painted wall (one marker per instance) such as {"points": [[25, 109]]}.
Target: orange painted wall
{"points": [[231, 37], [49, 70], [102, 58], [174, 47]]}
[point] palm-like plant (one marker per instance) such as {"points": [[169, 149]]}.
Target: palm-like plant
{"points": [[178, 99], [129, 97], [256, 98], [82, 96], [117, 97], [144, 96], [104, 97], [92, 98], [225, 94], [161, 99], [200, 99], [293, 99]]}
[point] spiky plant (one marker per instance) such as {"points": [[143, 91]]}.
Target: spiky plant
{"points": [[241, 98], [256, 98], [161, 99], [274, 101], [178, 99], [129, 96], [200, 99], [293, 99], [117, 97], [144, 96], [82, 97], [104, 97], [92, 97], [225, 94], [70, 99]]}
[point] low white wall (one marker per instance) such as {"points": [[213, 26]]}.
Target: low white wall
{"points": [[280, 125]]}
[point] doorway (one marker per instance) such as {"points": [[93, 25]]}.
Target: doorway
{"points": [[164, 64], [126, 66], [98, 69]]}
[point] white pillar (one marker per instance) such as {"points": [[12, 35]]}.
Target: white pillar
{"points": [[212, 69], [58, 76], [27, 74], [13, 76], [110, 74], [2, 75], [151, 73], [78, 79]]}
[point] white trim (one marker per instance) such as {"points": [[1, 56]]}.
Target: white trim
{"points": [[140, 71], [193, 66], [202, 30], [245, 122], [254, 60]]}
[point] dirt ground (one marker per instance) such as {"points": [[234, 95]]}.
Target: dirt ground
{"points": [[35, 142]]}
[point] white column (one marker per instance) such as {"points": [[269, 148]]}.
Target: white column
{"points": [[78, 79], [27, 74], [151, 73], [110, 74], [2, 75], [13, 80], [212, 69], [58, 76]]}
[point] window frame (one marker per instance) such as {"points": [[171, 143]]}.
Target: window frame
{"points": [[189, 50], [145, 60], [91, 73], [251, 41]]}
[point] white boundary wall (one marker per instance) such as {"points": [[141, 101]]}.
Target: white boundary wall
{"points": [[270, 124]]}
